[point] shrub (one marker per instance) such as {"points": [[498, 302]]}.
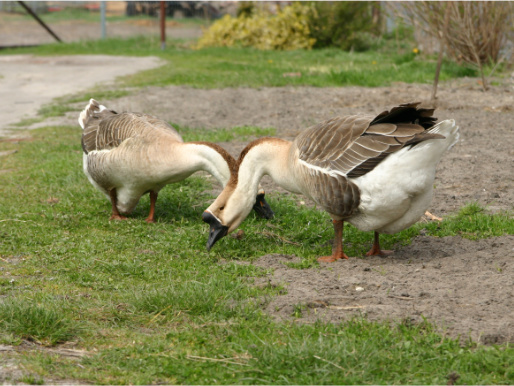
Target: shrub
{"points": [[474, 32], [347, 24], [287, 30]]}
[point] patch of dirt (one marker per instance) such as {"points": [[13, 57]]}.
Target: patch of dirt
{"points": [[37, 80], [11, 372], [463, 286]]}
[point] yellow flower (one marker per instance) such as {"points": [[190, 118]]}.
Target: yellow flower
{"points": [[374, 62], [270, 61], [415, 50]]}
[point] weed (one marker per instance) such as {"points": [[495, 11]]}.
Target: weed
{"points": [[44, 324]]}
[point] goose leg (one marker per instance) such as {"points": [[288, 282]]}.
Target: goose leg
{"points": [[153, 199], [375, 249], [115, 213], [337, 248]]}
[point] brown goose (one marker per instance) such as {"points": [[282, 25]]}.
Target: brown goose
{"points": [[375, 172], [129, 154]]}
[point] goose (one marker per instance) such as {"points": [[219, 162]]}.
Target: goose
{"points": [[129, 154], [375, 172]]}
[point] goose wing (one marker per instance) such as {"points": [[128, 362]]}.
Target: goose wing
{"points": [[334, 151], [107, 130], [352, 146]]}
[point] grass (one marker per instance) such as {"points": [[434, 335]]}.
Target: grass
{"points": [[35, 322], [149, 304], [242, 133], [238, 67], [244, 67]]}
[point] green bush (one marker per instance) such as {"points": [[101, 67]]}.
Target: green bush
{"points": [[348, 25], [287, 30]]}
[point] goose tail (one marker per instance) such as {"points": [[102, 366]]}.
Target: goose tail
{"points": [[449, 130], [427, 153], [92, 108]]}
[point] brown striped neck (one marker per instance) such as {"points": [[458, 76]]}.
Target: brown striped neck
{"points": [[231, 162], [265, 156]]}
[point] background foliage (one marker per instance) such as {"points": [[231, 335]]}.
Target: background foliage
{"points": [[254, 27], [347, 25]]}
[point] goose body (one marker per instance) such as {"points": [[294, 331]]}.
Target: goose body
{"points": [[375, 172], [129, 154]]}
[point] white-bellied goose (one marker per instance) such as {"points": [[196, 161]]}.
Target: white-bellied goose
{"points": [[375, 172], [129, 154]]}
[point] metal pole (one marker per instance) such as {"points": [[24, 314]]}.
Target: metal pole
{"points": [[102, 18], [27, 8], [163, 25]]}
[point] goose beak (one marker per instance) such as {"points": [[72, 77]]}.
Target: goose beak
{"points": [[262, 208], [216, 232]]}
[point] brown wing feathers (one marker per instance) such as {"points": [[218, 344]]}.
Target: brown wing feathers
{"points": [[107, 129], [355, 145], [402, 126], [407, 113]]}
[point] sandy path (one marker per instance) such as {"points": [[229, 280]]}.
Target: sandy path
{"points": [[28, 82]]}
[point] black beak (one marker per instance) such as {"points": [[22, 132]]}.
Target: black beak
{"points": [[217, 231], [262, 208]]}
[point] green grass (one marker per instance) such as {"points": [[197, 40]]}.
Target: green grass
{"points": [[150, 305], [42, 323], [241, 133], [239, 67]]}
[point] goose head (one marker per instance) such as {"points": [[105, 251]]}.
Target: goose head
{"points": [[229, 210], [261, 206], [243, 192]]}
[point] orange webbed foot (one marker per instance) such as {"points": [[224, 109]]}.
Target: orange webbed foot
{"points": [[118, 217], [375, 249], [332, 258], [379, 252]]}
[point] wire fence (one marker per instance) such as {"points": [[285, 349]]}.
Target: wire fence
{"points": [[41, 6]]}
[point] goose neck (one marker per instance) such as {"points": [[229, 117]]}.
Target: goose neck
{"points": [[210, 158], [267, 156]]}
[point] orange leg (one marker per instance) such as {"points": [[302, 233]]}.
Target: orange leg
{"points": [[153, 199], [114, 200], [337, 248], [375, 249]]}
